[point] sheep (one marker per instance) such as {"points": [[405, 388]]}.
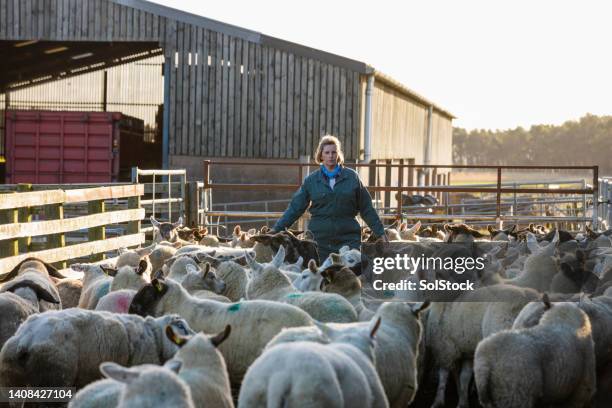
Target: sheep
{"points": [[36, 274], [64, 348], [153, 386], [16, 307], [165, 231], [132, 257], [117, 301], [341, 280], [599, 311], [295, 247], [338, 374], [454, 329], [96, 283], [199, 364], [69, 291], [204, 279], [235, 278], [203, 367], [268, 283], [128, 277], [257, 321], [399, 335], [160, 255], [552, 363]]}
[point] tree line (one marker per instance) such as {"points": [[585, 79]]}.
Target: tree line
{"points": [[587, 141]]}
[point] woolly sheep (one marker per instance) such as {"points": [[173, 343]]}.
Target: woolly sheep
{"points": [[69, 291], [338, 374], [128, 277], [132, 257], [552, 363], [36, 274], [342, 281], [96, 284], [202, 279], [64, 348], [116, 301], [200, 364], [149, 387], [14, 310], [254, 322], [235, 278], [165, 231], [454, 329], [399, 335], [269, 283]]}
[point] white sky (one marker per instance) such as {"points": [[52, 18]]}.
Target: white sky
{"points": [[492, 64]]}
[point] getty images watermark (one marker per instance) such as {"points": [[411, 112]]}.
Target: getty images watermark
{"points": [[431, 270]]}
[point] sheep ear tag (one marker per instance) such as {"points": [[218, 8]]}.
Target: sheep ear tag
{"points": [[175, 338]]}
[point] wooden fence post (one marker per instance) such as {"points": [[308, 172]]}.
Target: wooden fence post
{"points": [[133, 226], [96, 233], [9, 247], [56, 212], [25, 216]]}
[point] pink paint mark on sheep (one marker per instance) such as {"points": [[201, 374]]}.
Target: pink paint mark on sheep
{"points": [[123, 304]]}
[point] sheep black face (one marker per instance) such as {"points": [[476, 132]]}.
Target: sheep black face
{"points": [[461, 233], [294, 247], [32, 263], [167, 230], [147, 298]]}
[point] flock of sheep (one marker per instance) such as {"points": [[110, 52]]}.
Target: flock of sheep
{"points": [[195, 320]]}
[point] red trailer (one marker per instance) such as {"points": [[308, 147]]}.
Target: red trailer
{"points": [[53, 147]]}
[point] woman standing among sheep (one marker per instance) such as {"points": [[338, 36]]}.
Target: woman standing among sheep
{"points": [[336, 196]]}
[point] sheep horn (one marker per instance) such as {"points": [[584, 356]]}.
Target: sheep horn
{"points": [[176, 338], [220, 337], [375, 328]]}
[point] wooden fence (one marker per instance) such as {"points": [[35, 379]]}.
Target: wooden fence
{"points": [[17, 227]]}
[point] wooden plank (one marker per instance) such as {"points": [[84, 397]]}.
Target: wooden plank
{"points": [[231, 65], [310, 108], [212, 93], [277, 103], [90, 27], [180, 82], [192, 70], [24, 229], [336, 117], [134, 223], [42, 18], [31, 199], [9, 17], [348, 138], [218, 94], [97, 20], [207, 107], [290, 133], [102, 193], [342, 106], [330, 100], [80, 14], [224, 95], [251, 78], [9, 216], [143, 25], [356, 115], [242, 52], [16, 14], [283, 107], [199, 87], [174, 55], [26, 19], [25, 216], [75, 251], [263, 105], [257, 100], [269, 150], [316, 126], [307, 146], [123, 22], [129, 35], [3, 18], [297, 90], [116, 32], [155, 25]]}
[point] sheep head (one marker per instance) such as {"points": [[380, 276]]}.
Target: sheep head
{"points": [[166, 231]]}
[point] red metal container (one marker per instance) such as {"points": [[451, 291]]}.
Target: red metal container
{"points": [[53, 147]]}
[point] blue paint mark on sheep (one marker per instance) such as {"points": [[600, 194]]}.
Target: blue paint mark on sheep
{"points": [[234, 308], [104, 289], [294, 295]]}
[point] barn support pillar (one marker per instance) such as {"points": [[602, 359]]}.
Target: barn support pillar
{"points": [[166, 125], [367, 140]]}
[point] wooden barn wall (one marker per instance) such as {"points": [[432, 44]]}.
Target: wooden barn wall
{"points": [[399, 127], [228, 96], [237, 98]]}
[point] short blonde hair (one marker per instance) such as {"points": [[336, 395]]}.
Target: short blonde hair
{"points": [[329, 140]]}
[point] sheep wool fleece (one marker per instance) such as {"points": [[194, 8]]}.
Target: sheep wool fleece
{"points": [[333, 211]]}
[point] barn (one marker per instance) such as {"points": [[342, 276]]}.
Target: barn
{"points": [[228, 92]]}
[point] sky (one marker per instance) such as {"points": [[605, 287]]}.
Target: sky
{"points": [[493, 64]]}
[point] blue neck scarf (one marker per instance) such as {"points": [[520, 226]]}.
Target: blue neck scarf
{"points": [[333, 173]]}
